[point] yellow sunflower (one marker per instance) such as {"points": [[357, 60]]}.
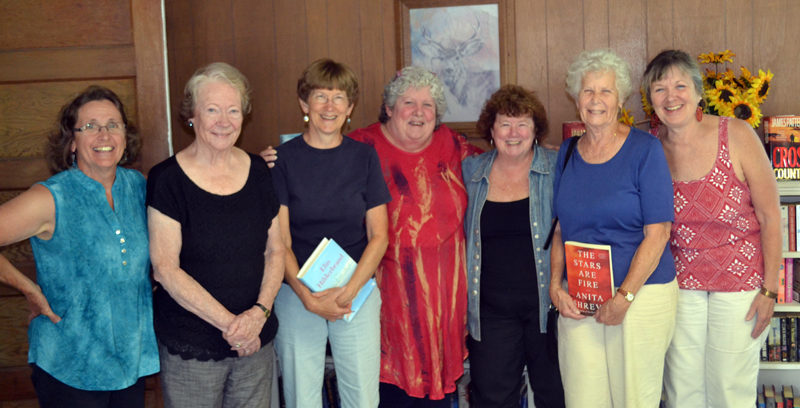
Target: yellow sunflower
{"points": [[746, 110], [759, 86], [648, 110], [625, 117], [716, 58], [710, 78]]}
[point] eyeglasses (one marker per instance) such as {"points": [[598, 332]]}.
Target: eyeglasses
{"points": [[92, 129], [338, 100]]}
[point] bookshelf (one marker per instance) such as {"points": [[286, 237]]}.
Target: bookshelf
{"points": [[776, 372]]}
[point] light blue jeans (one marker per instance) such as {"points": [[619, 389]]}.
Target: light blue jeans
{"points": [[301, 341]]}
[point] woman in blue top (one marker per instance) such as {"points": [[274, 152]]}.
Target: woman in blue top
{"points": [[615, 190], [510, 195], [91, 337], [329, 186]]}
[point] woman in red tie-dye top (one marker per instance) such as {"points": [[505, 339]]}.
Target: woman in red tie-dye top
{"points": [[726, 241]]}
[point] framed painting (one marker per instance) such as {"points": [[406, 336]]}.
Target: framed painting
{"points": [[469, 44]]}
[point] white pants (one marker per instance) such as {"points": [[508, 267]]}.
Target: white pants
{"points": [[713, 361], [619, 366], [356, 348]]}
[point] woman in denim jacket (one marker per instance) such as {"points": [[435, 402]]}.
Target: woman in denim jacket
{"points": [[510, 192]]}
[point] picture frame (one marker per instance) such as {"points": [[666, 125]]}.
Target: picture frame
{"points": [[469, 44]]}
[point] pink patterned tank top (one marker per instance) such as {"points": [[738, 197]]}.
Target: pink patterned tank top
{"points": [[716, 238]]}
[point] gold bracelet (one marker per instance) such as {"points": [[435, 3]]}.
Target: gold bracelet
{"points": [[267, 312], [766, 292]]}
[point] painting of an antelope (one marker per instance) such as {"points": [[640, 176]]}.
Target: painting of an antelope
{"points": [[461, 45]]}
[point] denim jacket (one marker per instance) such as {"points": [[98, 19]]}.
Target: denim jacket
{"points": [[476, 177]]}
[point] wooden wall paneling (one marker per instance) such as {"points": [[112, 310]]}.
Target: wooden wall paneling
{"points": [[698, 28], [775, 35], [28, 112], [373, 69], [596, 25], [739, 23], [256, 58], [291, 60], [67, 63], [14, 341], [390, 41], [64, 23], [345, 38], [531, 46], [214, 31], [659, 26], [626, 23], [564, 43], [182, 61], [151, 89], [317, 29]]}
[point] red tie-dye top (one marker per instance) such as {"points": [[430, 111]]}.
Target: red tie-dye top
{"points": [[716, 238], [422, 277]]}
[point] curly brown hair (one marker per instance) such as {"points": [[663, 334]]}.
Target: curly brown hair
{"points": [[58, 152], [515, 101]]}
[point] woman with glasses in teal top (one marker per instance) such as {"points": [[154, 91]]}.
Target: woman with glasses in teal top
{"points": [[91, 334]]}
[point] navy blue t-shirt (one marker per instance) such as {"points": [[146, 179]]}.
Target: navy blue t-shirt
{"points": [[328, 193], [610, 203]]}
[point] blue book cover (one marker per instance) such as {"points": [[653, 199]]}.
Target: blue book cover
{"points": [[329, 266]]}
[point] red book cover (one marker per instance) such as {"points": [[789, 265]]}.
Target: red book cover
{"points": [[789, 279], [590, 276], [782, 133], [792, 227], [572, 128]]}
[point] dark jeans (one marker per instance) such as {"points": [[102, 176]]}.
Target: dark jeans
{"points": [[508, 344], [55, 394], [394, 397]]}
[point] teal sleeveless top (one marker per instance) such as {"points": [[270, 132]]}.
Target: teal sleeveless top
{"points": [[94, 272]]}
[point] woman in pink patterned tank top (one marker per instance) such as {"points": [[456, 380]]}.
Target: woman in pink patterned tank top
{"points": [[726, 241]]}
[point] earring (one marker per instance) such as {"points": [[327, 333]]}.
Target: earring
{"points": [[698, 114], [348, 120], [191, 124], [305, 118], [73, 159]]}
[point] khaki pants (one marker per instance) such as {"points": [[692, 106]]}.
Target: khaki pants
{"points": [[619, 366]]}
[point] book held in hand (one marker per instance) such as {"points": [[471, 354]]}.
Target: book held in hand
{"points": [[590, 276], [329, 266]]}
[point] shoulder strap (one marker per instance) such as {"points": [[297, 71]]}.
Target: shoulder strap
{"points": [[572, 142]]}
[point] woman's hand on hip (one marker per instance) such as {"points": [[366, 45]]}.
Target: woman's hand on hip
{"points": [[762, 309], [38, 305]]}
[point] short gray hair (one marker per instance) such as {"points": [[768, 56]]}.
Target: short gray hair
{"points": [[602, 60], [417, 78], [216, 71]]}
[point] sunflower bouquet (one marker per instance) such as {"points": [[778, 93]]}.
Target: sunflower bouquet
{"points": [[729, 95]]}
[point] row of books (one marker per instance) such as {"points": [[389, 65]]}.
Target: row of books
{"points": [[777, 396], [782, 342], [789, 226]]}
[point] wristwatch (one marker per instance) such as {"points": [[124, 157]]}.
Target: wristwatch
{"points": [[629, 296]]}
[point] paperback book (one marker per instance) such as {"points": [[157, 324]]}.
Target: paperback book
{"points": [[329, 266], [590, 276]]}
